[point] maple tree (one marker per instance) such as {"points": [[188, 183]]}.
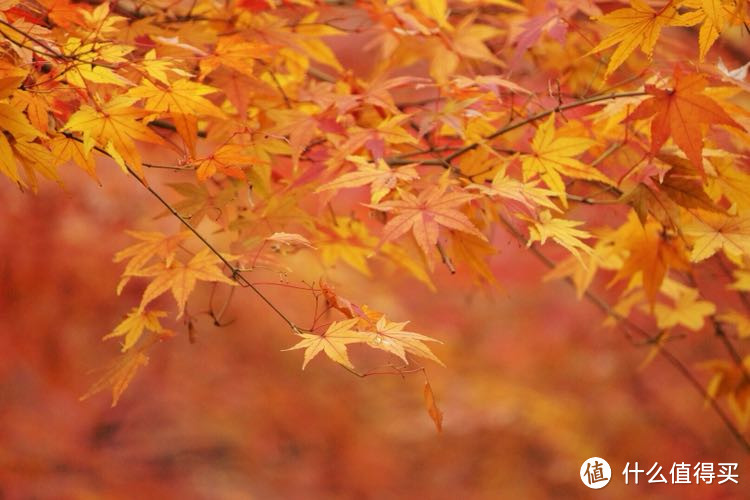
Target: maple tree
{"points": [[473, 118]]}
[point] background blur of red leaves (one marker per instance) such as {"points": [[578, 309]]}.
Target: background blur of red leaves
{"points": [[533, 384]]}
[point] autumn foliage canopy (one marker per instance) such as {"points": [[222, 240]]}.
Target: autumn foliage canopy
{"points": [[610, 139]]}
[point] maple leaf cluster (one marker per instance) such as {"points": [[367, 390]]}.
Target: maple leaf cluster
{"points": [[624, 171]]}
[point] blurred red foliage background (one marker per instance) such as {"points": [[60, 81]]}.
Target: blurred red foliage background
{"points": [[533, 385]]}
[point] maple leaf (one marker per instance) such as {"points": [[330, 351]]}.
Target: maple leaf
{"points": [[474, 252], [526, 193], [35, 158], [119, 374], [562, 231], [425, 213], [114, 127], [181, 278], [15, 122], [227, 160], [134, 324], [183, 100], [687, 310], [333, 342], [552, 157], [637, 25], [64, 148], [710, 232], [714, 16], [651, 252], [381, 178], [391, 337], [679, 113], [152, 244]]}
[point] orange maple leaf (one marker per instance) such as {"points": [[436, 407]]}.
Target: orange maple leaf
{"points": [[680, 112], [425, 213], [228, 160], [651, 252]]}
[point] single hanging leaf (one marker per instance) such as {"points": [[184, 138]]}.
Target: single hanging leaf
{"points": [[333, 342], [431, 404], [680, 112]]}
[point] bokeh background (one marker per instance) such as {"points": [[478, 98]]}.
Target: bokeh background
{"points": [[533, 386]]}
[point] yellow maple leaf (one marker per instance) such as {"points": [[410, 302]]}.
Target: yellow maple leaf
{"points": [[391, 337], [183, 100], [181, 278], [333, 342], [561, 231], [15, 122], [713, 15], [11, 77], [66, 148], [637, 25], [35, 158], [552, 157], [381, 178], [710, 232], [134, 324], [113, 127]]}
